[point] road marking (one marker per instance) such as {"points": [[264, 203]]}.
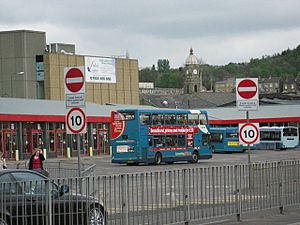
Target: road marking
{"points": [[214, 222]]}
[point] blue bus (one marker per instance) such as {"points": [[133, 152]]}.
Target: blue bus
{"points": [[278, 137], [159, 135], [225, 140]]}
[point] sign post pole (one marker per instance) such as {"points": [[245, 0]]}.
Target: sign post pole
{"points": [[247, 99], [75, 106], [249, 160]]}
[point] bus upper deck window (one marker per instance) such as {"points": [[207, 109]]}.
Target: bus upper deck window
{"points": [[128, 115], [193, 119], [182, 119], [169, 119], [202, 119], [145, 118], [157, 119]]}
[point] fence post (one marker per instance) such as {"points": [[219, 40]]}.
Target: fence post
{"points": [[48, 205], [280, 189], [186, 187], [124, 212], [237, 194]]}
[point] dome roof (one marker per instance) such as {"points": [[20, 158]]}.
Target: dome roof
{"points": [[191, 59]]}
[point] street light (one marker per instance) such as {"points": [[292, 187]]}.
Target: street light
{"points": [[14, 80]]}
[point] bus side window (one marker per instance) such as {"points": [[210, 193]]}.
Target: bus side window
{"points": [[171, 140], [145, 118], [170, 119], [182, 119], [157, 119], [158, 141], [150, 141], [181, 140], [193, 119]]}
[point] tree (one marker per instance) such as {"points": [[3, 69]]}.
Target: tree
{"points": [[163, 65]]}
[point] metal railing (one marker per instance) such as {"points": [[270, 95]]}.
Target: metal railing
{"points": [[168, 197], [64, 169]]}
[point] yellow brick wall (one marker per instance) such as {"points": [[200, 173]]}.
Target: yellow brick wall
{"points": [[124, 91]]}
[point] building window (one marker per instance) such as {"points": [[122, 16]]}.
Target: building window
{"points": [[195, 88]]}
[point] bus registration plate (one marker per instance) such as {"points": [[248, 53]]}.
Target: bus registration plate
{"points": [[233, 143]]}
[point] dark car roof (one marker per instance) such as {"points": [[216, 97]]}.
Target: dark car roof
{"points": [[20, 170]]}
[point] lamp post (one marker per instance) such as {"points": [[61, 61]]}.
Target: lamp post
{"points": [[14, 80]]}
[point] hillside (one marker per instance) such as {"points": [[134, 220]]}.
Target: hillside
{"points": [[284, 64]]}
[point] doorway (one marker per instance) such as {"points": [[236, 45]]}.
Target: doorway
{"points": [[9, 144]]}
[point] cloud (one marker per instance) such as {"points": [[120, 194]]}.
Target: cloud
{"points": [[219, 31]]}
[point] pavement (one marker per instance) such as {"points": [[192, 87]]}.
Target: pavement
{"points": [[290, 216]]}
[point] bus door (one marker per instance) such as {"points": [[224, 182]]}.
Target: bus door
{"points": [[9, 143], [102, 141], [60, 142], [36, 139]]}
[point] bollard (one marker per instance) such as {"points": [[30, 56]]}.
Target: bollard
{"points": [[17, 155], [91, 151], [68, 152], [45, 153]]}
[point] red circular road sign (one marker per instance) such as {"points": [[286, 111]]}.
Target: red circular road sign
{"points": [[247, 89], [74, 80], [76, 120], [249, 133]]}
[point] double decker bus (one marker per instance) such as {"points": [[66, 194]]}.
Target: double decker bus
{"points": [[159, 135], [226, 140], [278, 137]]}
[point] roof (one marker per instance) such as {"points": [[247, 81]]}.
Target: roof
{"points": [[196, 100], [266, 113], [191, 59], [20, 109]]}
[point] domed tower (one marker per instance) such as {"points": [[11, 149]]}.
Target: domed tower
{"points": [[193, 74]]}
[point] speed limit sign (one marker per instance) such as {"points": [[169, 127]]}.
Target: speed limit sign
{"points": [[248, 133], [76, 121]]}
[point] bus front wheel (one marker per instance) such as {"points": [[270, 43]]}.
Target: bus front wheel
{"points": [[158, 158], [195, 157]]}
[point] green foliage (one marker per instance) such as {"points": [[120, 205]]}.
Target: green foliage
{"points": [[148, 75], [170, 79], [163, 65], [285, 64]]}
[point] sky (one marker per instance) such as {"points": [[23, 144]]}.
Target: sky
{"points": [[219, 31]]}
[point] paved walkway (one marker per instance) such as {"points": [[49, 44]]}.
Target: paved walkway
{"points": [[290, 216]]}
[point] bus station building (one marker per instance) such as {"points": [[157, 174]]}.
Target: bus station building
{"points": [[29, 123]]}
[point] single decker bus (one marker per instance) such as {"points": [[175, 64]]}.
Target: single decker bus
{"points": [[226, 140], [278, 137], [159, 135]]}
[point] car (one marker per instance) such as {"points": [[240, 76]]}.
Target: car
{"points": [[30, 198]]}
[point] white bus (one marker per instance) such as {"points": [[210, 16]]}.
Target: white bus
{"points": [[278, 137]]}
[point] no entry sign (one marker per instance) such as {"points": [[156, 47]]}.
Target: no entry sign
{"points": [[74, 80], [247, 94], [247, 89]]}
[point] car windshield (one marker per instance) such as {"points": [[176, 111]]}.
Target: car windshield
{"points": [[26, 183]]}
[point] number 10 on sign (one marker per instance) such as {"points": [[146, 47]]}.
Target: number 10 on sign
{"points": [[249, 133], [76, 121]]}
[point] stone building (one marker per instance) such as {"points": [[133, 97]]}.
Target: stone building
{"points": [[193, 75], [31, 68]]}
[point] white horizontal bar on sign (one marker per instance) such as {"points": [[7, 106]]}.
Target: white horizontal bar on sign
{"points": [[244, 89], [74, 80]]}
